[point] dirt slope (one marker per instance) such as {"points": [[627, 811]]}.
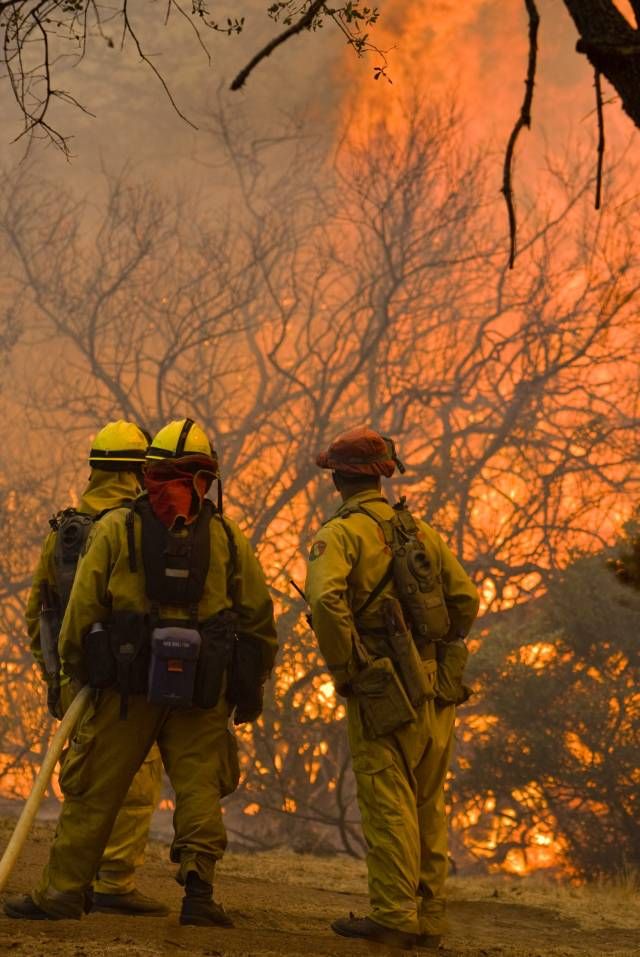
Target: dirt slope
{"points": [[282, 904]]}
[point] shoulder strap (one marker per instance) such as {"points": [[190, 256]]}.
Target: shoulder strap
{"points": [[233, 546], [175, 566], [371, 597], [131, 538], [385, 526], [404, 517]]}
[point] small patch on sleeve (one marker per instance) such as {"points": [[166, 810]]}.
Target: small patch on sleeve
{"points": [[317, 549], [87, 542]]}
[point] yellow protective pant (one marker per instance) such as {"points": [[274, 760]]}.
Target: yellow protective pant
{"points": [[124, 852], [400, 783], [200, 757]]}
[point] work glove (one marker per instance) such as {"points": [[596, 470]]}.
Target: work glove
{"points": [[250, 708], [246, 715]]}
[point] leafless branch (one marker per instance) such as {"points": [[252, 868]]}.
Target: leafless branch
{"points": [[601, 140], [523, 120], [145, 57]]}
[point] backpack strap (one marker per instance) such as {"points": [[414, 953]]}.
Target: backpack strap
{"points": [[131, 539], [382, 584], [410, 528], [388, 575]]}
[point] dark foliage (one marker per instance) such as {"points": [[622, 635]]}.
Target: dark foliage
{"points": [[561, 677]]}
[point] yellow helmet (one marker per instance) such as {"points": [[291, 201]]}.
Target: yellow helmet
{"points": [[180, 437], [119, 446]]}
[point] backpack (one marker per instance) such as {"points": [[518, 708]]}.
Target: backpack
{"points": [[418, 587], [72, 530]]}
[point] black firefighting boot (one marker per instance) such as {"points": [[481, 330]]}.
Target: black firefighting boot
{"points": [[199, 907], [25, 908], [367, 929], [428, 941], [133, 904]]}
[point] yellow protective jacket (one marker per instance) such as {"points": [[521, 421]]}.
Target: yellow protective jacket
{"points": [[105, 490], [348, 559], [105, 583]]}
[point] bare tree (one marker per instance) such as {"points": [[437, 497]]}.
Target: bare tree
{"points": [[361, 287]]}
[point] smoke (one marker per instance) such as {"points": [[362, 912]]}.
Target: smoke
{"points": [[476, 50]]}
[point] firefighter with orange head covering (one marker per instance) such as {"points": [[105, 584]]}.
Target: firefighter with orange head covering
{"points": [[170, 620], [391, 607], [116, 459]]}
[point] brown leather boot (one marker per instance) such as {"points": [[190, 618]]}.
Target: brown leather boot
{"points": [[428, 941], [25, 908], [367, 929], [133, 904]]}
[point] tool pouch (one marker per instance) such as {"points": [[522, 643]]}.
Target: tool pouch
{"points": [[129, 638], [404, 653], [100, 663], [452, 658], [383, 702], [172, 669], [218, 638], [247, 676]]}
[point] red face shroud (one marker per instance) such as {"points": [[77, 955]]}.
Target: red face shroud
{"points": [[177, 487]]}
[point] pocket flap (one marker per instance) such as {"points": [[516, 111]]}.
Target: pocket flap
{"points": [[372, 760]]}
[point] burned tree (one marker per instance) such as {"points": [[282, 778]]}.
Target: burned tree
{"points": [[365, 286]]}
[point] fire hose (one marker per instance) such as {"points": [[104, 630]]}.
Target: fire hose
{"points": [[65, 729]]}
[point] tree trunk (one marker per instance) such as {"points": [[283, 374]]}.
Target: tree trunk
{"points": [[612, 46]]}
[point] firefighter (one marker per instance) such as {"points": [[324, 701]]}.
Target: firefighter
{"points": [[171, 619], [116, 460], [400, 708]]}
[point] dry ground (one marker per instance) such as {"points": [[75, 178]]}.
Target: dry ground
{"points": [[282, 904]]}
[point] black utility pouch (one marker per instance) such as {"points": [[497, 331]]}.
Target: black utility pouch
{"points": [[218, 637], [129, 634], [100, 665], [247, 676], [172, 671]]}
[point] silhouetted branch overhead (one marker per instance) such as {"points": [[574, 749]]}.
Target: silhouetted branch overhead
{"points": [[523, 120], [304, 23], [601, 139], [612, 46]]}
